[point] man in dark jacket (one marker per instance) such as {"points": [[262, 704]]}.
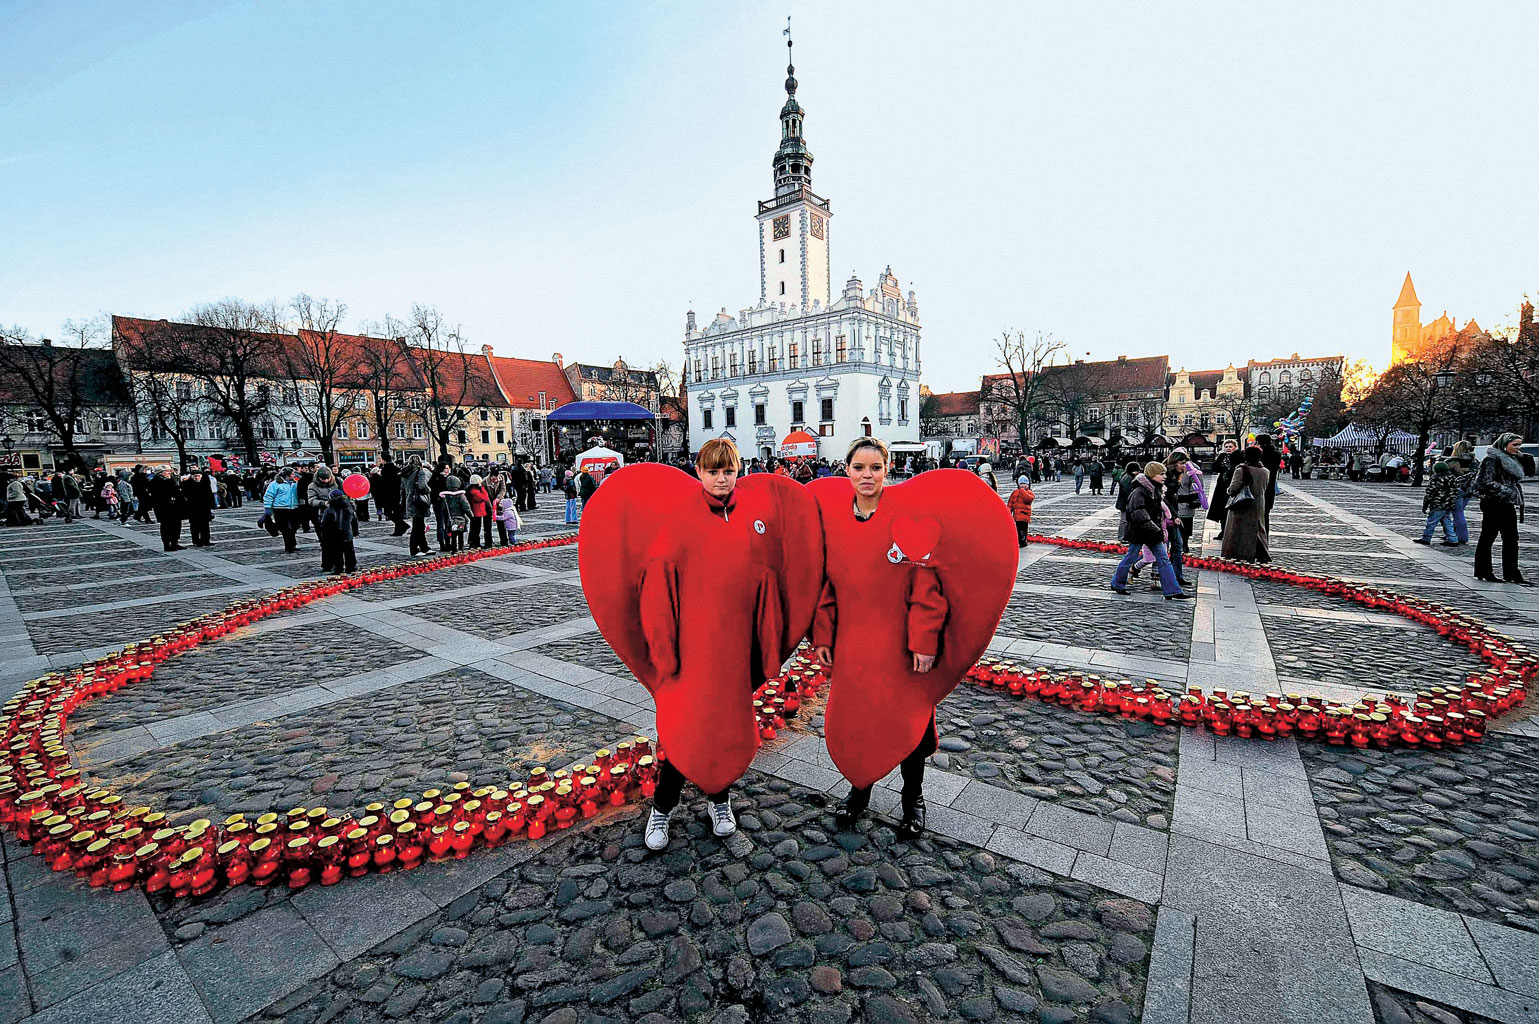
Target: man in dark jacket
{"points": [[436, 486], [306, 477], [390, 496], [165, 495], [197, 507]]}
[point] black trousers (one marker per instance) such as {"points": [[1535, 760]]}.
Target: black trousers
{"points": [[197, 529], [912, 770], [171, 532], [288, 521], [1021, 530], [337, 554], [670, 783], [419, 534], [1498, 517]]}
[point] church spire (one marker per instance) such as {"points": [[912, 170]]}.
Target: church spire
{"points": [[793, 163], [1407, 293]]}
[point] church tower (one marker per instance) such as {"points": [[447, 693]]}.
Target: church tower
{"points": [[793, 226], [1406, 340]]}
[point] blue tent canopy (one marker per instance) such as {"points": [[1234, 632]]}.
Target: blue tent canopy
{"points": [[574, 411]]}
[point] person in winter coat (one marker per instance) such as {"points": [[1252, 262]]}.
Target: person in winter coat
{"points": [[198, 507], [1245, 529], [1273, 462], [1499, 483], [1190, 496], [166, 500], [480, 512], [1097, 472], [569, 488], [109, 499], [586, 487], [1145, 515], [505, 512], [1464, 490], [280, 504], [436, 485], [1020, 508], [1079, 475], [1223, 468], [335, 528], [16, 503], [322, 483], [417, 502], [457, 514], [127, 504], [1438, 505], [1124, 488], [389, 496]]}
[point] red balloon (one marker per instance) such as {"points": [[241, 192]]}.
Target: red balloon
{"points": [[356, 486]]}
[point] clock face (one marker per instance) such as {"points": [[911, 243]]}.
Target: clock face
{"points": [[783, 227], [817, 226]]}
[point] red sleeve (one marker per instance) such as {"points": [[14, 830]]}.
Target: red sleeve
{"points": [[770, 622], [660, 615], [927, 609], [825, 619]]}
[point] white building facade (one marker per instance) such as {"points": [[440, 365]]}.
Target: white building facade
{"points": [[800, 360]]}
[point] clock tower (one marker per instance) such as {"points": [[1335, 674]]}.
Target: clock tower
{"points": [[793, 226]]}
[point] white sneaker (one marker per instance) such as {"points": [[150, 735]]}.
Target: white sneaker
{"points": [[723, 822], [657, 830]]}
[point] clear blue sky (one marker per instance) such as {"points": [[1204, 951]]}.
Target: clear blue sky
{"points": [[1215, 182]]}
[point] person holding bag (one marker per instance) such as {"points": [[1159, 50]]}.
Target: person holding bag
{"points": [[1245, 529], [1499, 483]]}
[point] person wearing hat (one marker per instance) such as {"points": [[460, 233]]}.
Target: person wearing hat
{"points": [[1438, 505], [198, 507], [280, 503], [335, 528], [166, 499], [1145, 519], [569, 489], [1020, 508], [1499, 482]]}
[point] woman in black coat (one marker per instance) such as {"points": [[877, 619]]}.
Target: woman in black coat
{"points": [[1223, 467], [198, 507]]}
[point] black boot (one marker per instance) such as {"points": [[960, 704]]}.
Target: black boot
{"points": [[912, 825], [852, 808]]}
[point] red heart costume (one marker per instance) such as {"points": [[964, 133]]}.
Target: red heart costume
{"points": [[701, 603], [929, 573]]}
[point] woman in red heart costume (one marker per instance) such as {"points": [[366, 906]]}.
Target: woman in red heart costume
{"points": [[703, 587], [917, 576]]}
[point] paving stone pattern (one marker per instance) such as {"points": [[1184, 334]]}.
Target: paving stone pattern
{"points": [[1393, 1007], [1454, 830], [1365, 655], [1093, 574], [454, 726], [240, 668], [516, 610], [1157, 631], [111, 593], [803, 925], [430, 583], [122, 625], [1116, 769], [588, 650]]}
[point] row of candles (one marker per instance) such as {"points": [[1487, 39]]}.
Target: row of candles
{"points": [[90, 832], [1434, 718]]}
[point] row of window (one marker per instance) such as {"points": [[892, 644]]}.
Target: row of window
{"points": [[821, 355], [1285, 377], [798, 413], [106, 423], [1203, 421]]}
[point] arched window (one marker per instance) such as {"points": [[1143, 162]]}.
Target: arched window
{"points": [[1285, 378], [1265, 378]]}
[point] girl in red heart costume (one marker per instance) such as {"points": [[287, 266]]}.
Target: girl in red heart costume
{"points": [[908, 605], [703, 587]]}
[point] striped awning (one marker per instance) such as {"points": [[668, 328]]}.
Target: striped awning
{"points": [[1355, 437]]}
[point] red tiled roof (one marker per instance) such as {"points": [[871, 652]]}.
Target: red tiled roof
{"points": [[1108, 376], [956, 403], [166, 344], [522, 380], [464, 379], [92, 371]]}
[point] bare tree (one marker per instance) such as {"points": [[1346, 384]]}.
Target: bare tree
{"points": [[324, 367], [668, 379], [172, 401], [1237, 408], [929, 416], [59, 380], [438, 351], [1018, 393], [1071, 389], [236, 355], [386, 374], [1414, 394]]}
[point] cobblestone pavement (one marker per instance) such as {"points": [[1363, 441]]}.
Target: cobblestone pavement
{"points": [[1077, 868]]}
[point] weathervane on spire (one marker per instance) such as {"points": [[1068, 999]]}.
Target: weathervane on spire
{"points": [[787, 34]]}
